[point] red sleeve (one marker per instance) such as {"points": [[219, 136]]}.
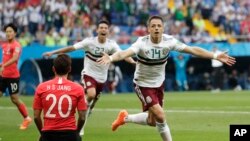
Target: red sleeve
{"points": [[81, 104], [37, 102], [18, 48]]}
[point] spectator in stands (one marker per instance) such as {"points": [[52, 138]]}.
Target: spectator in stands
{"points": [[62, 40], [221, 36], [233, 81], [140, 30], [114, 32], [35, 17], [8, 14], [162, 7], [199, 22], [10, 4], [50, 38], [21, 17], [245, 27], [204, 81], [23, 40], [40, 34], [231, 15], [76, 31], [123, 38]]}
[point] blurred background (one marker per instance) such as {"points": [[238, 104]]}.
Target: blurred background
{"points": [[215, 25]]}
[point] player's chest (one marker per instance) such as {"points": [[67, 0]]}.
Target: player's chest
{"points": [[154, 52], [7, 49], [99, 49]]}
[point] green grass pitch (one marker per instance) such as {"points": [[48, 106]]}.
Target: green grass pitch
{"points": [[192, 116]]}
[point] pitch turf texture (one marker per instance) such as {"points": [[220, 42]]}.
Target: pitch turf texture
{"points": [[192, 116]]}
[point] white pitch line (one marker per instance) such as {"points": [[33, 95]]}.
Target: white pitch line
{"points": [[138, 110]]}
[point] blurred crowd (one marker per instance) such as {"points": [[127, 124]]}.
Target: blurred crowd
{"points": [[62, 22]]}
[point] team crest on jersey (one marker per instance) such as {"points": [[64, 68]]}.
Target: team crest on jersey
{"points": [[88, 83], [165, 51], [148, 99], [17, 49]]}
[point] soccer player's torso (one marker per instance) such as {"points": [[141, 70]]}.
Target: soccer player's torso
{"points": [[152, 59], [93, 52], [59, 100], [8, 50]]}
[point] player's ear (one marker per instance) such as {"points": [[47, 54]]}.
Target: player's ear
{"points": [[148, 29], [53, 69]]}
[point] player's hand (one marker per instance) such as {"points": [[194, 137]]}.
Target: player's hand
{"points": [[47, 54], [105, 59], [224, 58]]}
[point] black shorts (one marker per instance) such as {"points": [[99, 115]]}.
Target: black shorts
{"points": [[11, 83], [65, 135]]}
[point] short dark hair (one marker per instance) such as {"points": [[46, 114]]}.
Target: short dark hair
{"points": [[154, 17], [62, 64], [12, 25], [103, 22]]}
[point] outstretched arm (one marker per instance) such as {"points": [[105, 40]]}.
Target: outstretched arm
{"points": [[120, 55], [62, 50], [130, 60], [199, 52]]}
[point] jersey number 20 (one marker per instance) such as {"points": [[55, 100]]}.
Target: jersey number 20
{"points": [[59, 107]]}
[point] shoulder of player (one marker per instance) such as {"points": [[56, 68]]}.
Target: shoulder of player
{"points": [[143, 38], [166, 37], [43, 85], [110, 41], [89, 39], [16, 44]]}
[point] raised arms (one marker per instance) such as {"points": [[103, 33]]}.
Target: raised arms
{"points": [[199, 52]]}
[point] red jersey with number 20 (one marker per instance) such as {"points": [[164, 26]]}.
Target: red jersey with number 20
{"points": [[8, 50], [59, 98]]}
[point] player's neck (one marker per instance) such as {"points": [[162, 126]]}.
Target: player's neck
{"points": [[101, 40], [155, 40], [62, 76], [10, 40]]}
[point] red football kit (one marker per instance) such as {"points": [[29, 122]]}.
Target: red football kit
{"points": [[59, 98], [8, 49]]}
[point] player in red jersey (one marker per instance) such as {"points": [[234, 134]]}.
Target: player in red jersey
{"points": [[58, 99], [9, 74]]}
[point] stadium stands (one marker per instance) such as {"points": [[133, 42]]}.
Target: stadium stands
{"points": [[78, 18]]}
